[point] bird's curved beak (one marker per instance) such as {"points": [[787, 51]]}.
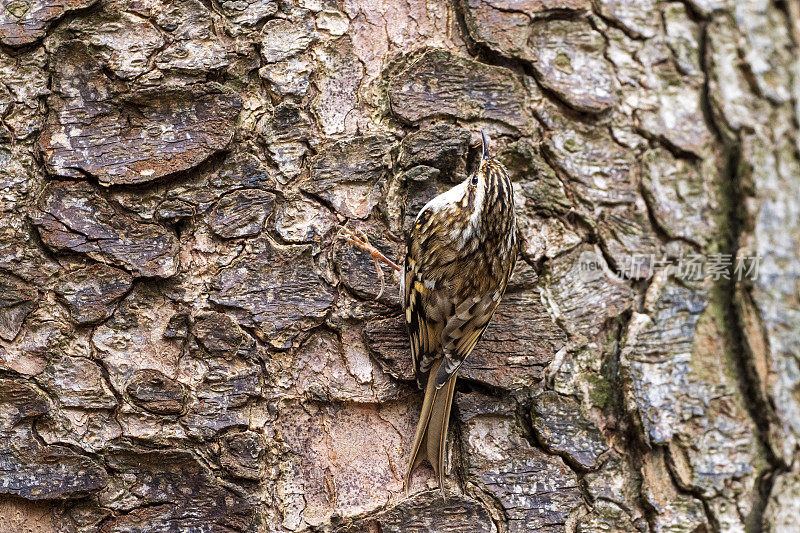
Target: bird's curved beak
{"points": [[485, 138]]}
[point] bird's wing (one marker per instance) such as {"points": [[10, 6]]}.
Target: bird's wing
{"points": [[466, 325], [425, 311], [463, 330]]}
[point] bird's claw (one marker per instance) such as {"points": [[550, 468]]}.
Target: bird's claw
{"points": [[359, 239]]}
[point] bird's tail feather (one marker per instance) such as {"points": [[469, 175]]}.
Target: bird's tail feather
{"points": [[431, 437]]}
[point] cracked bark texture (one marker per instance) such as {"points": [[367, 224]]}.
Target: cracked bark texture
{"points": [[184, 346]]}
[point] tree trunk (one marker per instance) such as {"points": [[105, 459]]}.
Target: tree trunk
{"points": [[186, 346]]}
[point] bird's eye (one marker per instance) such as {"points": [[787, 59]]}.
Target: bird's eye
{"points": [[474, 180]]}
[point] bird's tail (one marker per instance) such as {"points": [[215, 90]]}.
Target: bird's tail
{"points": [[431, 436]]}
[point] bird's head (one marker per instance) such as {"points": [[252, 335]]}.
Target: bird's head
{"points": [[480, 206], [484, 164], [489, 187]]}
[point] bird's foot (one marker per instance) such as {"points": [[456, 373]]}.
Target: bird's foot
{"points": [[359, 239]]}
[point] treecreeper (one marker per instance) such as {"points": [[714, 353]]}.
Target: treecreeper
{"points": [[459, 257]]}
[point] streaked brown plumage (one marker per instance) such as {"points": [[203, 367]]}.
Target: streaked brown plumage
{"points": [[459, 257]]}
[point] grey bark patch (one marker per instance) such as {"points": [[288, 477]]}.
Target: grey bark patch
{"points": [[635, 16], [629, 240], [439, 83], [155, 392], [73, 216], [534, 489], [300, 220], [279, 301], [351, 174], [389, 342], [281, 39], [680, 195], [25, 22], [174, 492], [51, 472], [174, 211], [565, 430], [240, 454], [328, 369], [247, 14], [32, 470], [585, 300], [17, 300], [134, 338], [338, 73], [218, 333], [171, 129], [91, 293], [519, 342], [223, 398], [77, 382], [598, 169], [440, 146], [567, 56], [197, 192], [427, 511], [657, 356], [241, 213]]}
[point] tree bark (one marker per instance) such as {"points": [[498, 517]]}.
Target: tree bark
{"points": [[185, 345]]}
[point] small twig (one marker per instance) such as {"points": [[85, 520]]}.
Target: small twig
{"points": [[361, 240]]}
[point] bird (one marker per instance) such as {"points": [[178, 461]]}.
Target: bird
{"points": [[459, 257]]}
